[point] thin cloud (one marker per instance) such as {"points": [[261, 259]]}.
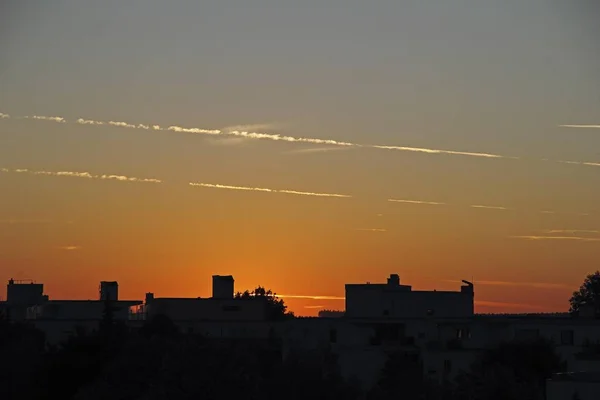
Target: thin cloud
{"points": [[44, 118], [267, 190], [416, 202], [314, 307], [309, 297], [547, 212], [571, 231], [589, 164], [316, 150], [437, 151], [246, 132], [581, 126], [2, 115], [489, 207], [371, 229], [86, 175], [575, 238], [540, 285], [70, 248], [25, 221]]}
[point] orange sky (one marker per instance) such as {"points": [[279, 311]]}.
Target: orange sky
{"points": [[435, 102]]}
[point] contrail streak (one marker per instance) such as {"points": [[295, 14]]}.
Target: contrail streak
{"points": [[416, 202], [265, 136], [581, 126], [576, 238], [540, 285], [590, 164], [86, 175], [371, 229], [435, 151], [257, 189], [571, 231], [489, 207], [299, 296]]}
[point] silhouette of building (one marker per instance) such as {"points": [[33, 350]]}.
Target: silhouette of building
{"points": [[393, 300], [20, 295], [221, 315], [109, 291]]}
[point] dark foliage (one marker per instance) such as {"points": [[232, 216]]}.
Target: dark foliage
{"points": [[277, 310], [587, 295]]}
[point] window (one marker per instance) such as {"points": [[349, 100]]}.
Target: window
{"points": [[567, 338], [333, 335]]}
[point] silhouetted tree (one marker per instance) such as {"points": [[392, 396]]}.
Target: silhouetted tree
{"points": [[587, 295], [277, 310]]}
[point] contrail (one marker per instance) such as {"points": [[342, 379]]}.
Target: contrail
{"points": [[86, 175], [294, 296], [590, 164], [265, 136], [416, 202], [257, 189], [571, 231], [371, 229], [577, 238], [489, 207], [581, 126], [435, 151], [540, 285]]}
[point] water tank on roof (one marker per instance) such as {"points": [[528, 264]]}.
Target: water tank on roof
{"points": [[394, 280], [222, 287], [109, 291]]}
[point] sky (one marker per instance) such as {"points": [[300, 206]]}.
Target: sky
{"points": [[440, 140]]}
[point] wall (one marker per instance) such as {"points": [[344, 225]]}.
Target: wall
{"points": [[207, 309], [378, 301]]}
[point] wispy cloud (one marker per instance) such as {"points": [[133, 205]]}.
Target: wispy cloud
{"points": [[589, 164], [416, 202], [489, 207], [575, 238], [2, 115], [309, 297], [581, 126], [571, 231], [371, 229], [44, 118], [540, 285], [86, 175], [69, 248], [250, 132], [437, 151], [314, 307], [25, 221], [316, 150], [258, 189]]}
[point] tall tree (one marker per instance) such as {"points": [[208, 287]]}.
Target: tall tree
{"points": [[587, 295], [277, 310]]}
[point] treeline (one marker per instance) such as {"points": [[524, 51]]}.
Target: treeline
{"points": [[159, 362]]}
